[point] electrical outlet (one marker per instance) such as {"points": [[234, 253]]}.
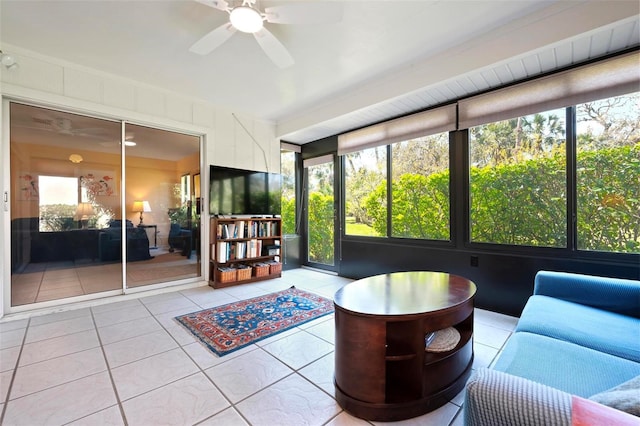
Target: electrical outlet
{"points": [[474, 261]]}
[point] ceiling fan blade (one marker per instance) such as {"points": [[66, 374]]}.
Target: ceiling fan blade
{"points": [[305, 13], [273, 48], [216, 4], [211, 41]]}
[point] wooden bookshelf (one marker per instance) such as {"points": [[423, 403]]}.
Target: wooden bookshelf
{"points": [[240, 243]]}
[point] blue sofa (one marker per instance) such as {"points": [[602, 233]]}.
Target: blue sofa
{"points": [[578, 338], [110, 242]]}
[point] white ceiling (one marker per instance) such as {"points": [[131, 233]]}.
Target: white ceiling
{"points": [[381, 60]]}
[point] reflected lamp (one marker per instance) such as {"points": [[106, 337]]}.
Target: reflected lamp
{"points": [[141, 207], [83, 212]]}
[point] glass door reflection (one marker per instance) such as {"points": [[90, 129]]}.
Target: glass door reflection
{"points": [[65, 177], [68, 223], [162, 222]]}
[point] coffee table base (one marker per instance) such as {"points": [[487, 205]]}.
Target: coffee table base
{"points": [[402, 410]]}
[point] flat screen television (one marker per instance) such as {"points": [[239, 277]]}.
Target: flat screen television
{"points": [[244, 192]]}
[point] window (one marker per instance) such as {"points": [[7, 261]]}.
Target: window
{"points": [[366, 192], [420, 188], [414, 186], [58, 200], [185, 189], [608, 174], [288, 173], [518, 181]]}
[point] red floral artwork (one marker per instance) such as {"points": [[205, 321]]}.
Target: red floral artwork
{"points": [[28, 186], [97, 186]]}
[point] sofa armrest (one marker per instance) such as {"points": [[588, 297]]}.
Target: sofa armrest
{"points": [[611, 294], [494, 398]]}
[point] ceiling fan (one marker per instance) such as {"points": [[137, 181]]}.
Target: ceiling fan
{"points": [[248, 18], [62, 126]]}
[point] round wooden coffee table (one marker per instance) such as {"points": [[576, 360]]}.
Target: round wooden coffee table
{"points": [[382, 370]]}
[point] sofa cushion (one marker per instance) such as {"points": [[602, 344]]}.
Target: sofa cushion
{"points": [[611, 294], [563, 365], [604, 331], [624, 397]]}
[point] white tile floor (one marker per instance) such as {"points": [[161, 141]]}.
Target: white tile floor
{"points": [[130, 363]]}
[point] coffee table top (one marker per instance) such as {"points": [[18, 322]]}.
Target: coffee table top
{"points": [[404, 293]]}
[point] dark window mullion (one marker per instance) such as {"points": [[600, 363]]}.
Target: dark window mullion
{"points": [[389, 191], [459, 185], [572, 191]]}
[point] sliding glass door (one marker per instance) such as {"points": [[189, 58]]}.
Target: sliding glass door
{"points": [[320, 209], [75, 211], [65, 181], [163, 223]]}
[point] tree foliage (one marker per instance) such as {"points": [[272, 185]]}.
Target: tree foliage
{"points": [[516, 140], [361, 183], [424, 156], [288, 216], [517, 183], [609, 199], [420, 206], [520, 204], [525, 203], [57, 217], [321, 228]]}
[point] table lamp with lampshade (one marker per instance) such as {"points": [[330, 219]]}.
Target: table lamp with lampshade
{"points": [[83, 212], [141, 207]]}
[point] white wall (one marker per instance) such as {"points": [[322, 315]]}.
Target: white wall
{"points": [[231, 138]]}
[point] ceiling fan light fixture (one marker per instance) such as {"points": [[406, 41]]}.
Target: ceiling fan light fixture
{"points": [[75, 158], [246, 19]]}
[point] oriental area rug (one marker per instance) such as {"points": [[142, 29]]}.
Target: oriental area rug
{"points": [[230, 327]]}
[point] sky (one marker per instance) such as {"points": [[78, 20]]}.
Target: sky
{"points": [[58, 190]]}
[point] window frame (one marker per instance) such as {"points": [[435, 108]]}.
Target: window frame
{"points": [[571, 250]]}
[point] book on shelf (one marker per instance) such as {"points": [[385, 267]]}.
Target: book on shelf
{"points": [[254, 248], [222, 251], [227, 250], [247, 229], [232, 230]]}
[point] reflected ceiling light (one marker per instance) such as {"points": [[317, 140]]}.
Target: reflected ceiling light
{"points": [[8, 60], [246, 19], [129, 143], [75, 158]]}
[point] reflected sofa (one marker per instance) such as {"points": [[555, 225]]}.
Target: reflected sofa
{"points": [[110, 242], [29, 245], [180, 239], [575, 352]]}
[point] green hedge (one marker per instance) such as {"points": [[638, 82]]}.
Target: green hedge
{"points": [[525, 203]]}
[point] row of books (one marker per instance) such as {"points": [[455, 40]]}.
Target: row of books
{"points": [[226, 250], [247, 229]]}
